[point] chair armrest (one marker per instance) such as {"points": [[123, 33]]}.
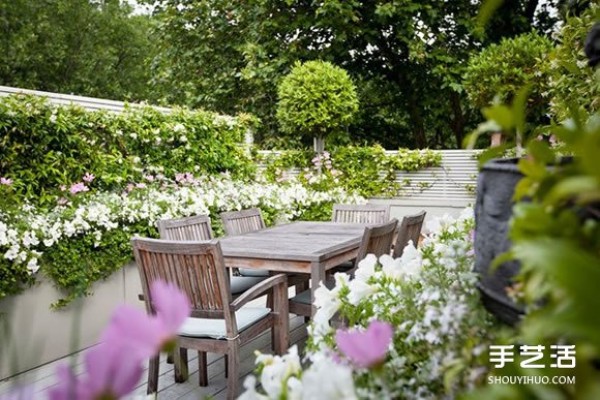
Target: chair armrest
{"points": [[259, 289]]}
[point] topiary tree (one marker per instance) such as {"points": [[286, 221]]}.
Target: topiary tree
{"points": [[500, 70], [316, 99]]}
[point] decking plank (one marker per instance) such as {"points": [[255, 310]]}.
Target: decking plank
{"points": [[44, 377]]}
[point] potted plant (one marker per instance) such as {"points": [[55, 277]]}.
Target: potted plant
{"points": [[502, 181]]}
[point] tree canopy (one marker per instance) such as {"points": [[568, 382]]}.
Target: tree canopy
{"points": [[94, 48], [406, 57]]}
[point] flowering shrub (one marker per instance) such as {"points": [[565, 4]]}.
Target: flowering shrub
{"points": [[369, 171], [86, 236], [428, 297], [44, 146]]}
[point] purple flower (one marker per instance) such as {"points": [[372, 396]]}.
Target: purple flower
{"points": [[88, 177], [5, 181], [78, 187], [366, 348]]}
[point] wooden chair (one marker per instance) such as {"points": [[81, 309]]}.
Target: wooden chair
{"points": [[250, 220], [410, 229], [197, 228], [217, 323], [376, 240], [356, 214], [361, 213], [240, 222]]}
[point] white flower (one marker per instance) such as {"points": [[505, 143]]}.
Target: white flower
{"points": [[179, 128], [33, 266], [359, 290], [277, 370], [251, 393], [326, 379], [366, 268], [327, 304]]}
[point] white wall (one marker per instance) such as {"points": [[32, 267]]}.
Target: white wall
{"points": [[40, 335]]}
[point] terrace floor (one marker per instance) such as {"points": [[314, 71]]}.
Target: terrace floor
{"points": [[44, 377]]}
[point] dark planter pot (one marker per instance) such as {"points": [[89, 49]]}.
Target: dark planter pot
{"points": [[493, 209]]}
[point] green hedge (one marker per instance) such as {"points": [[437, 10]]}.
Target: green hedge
{"points": [[43, 146]]}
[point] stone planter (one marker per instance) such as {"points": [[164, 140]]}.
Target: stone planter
{"points": [[493, 209], [37, 335]]}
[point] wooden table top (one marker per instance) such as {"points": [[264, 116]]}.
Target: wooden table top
{"points": [[296, 241]]}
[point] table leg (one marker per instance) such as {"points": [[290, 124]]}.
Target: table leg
{"points": [[317, 275]]}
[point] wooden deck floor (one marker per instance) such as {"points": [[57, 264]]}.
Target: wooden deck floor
{"points": [[44, 377]]}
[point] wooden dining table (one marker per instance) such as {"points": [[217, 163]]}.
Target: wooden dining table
{"points": [[299, 247]]}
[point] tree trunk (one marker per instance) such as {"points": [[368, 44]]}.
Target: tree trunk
{"points": [[457, 124], [416, 118]]}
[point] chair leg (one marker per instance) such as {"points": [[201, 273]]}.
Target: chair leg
{"points": [[180, 364], [225, 358], [202, 369], [232, 370], [153, 374]]}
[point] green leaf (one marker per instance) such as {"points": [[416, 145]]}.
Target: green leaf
{"points": [[502, 115], [575, 187], [541, 151]]}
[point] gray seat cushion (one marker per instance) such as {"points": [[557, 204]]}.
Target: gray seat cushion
{"points": [[253, 272], [304, 297], [215, 328], [239, 284]]}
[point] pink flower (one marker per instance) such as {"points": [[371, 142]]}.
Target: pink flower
{"points": [[114, 367], [146, 334], [62, 188], [366, 348], [19, 393], [5, 181], [140, 185], [62, 201], [111, 372], [186, 177], [88, 177], [68, 387], [149, 178], [78, 187]]}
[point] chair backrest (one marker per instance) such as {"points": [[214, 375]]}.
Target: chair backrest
{"points": [[240, 222], [196, 227], [410, 229], [197, 268], [361, 213], [377, 240]]}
